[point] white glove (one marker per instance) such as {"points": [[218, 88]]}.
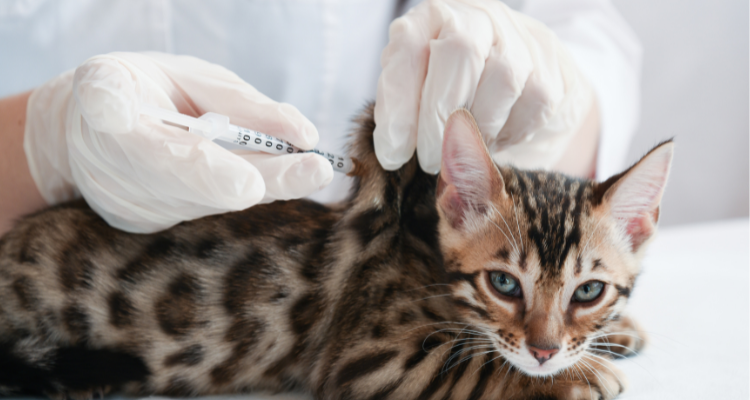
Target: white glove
{"points": [[509, 70], [84, 135]]}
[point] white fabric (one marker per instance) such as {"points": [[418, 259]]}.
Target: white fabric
{"points": [[516, 77], [142, 175], [609, 54], [322, 56]]}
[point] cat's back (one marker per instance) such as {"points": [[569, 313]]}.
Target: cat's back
{"points": [[214, 283], [72, 233]]}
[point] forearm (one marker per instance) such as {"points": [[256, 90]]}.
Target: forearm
{"points": [[580, 157], [18, 192]]}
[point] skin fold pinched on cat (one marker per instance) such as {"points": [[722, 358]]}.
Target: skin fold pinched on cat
{"points": [[484, 282]]}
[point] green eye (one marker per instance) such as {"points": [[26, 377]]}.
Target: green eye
{"points": [[505, 284], [589, 291]]}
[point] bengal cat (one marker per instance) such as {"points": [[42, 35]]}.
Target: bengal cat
{"points": [[484, 282]]}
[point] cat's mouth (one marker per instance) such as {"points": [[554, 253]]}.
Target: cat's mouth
{"points": [[540, 370], [530, 366]]}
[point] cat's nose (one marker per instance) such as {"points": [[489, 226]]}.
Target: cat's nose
{"points": [[542, 355]]}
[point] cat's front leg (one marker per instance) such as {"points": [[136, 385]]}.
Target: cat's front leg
{"points": [[592, 378]]}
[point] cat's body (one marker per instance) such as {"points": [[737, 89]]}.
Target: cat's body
{"points": [[372, 299]]}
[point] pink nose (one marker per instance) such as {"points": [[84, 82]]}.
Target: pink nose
{"points": [[542, 355]]}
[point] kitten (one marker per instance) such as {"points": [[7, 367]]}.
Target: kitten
{"points": [[476, 284]]}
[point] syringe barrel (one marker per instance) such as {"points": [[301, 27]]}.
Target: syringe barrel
{"points": [[217, 127], [254, 140]]}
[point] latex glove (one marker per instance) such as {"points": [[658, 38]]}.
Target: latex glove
{"points": [[510, 71], [84, 136]]}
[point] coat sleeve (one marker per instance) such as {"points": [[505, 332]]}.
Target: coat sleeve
{"points": [[609, 54]]}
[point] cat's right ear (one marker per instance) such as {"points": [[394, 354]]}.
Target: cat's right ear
{"points": [[469, 180], [634, 196]]}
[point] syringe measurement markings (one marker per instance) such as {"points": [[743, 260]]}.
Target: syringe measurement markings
{"points": [[243, 139]]}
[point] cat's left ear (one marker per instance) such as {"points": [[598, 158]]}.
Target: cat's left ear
{"points": [[634, 196]]}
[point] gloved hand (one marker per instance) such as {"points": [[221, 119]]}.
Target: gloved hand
{"points": [[510, 71], [84, 136]]}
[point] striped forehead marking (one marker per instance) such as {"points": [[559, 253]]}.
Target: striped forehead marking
{"points": [[553, 205]]}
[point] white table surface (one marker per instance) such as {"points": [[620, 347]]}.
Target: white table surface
{"points": [[693, 300]]}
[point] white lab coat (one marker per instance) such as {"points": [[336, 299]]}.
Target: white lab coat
{"points": [[322, 56]]}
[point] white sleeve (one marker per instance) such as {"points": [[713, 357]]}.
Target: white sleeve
{"points": [[609, 55]]}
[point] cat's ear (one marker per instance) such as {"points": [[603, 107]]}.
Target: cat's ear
{"points": [[633, 196], [469, 180]]}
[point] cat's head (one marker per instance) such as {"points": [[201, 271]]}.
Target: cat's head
{"points": [[541, 262]]}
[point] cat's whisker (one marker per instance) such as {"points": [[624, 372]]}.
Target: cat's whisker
{"points": [[591, 236], [462, 341], [427, 286], [507, 226], [477, 335], [512, 242], [634, 333], [593, 371], [438, 323], [462, 330], [623, 333], [595, 358], [432, 297], [472, 355], [652, 345], [608, 345], [515, 212], [454, 340], [604, 362], [500, 369], [625, 358], [583, 374], [458, 353], [510, 367]]}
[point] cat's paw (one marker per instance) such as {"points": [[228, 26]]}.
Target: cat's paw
{"points": [[591, 379], [623, 337], [607, 382]]}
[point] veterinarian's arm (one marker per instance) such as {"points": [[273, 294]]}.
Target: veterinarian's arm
{"points": [[18, 193], [84, 136]]}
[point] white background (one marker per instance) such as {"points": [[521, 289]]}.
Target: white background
{"points": [[695, 88]]}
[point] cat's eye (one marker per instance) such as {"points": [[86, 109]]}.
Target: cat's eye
{"points": [[505, 284], [589, 291]]}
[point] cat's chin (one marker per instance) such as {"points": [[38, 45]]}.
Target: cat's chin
{"points": [[546, 369]]}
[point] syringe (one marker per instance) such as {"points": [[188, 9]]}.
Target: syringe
{"points": [[216, 127]]}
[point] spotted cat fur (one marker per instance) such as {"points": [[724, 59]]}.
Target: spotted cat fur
{"points": [[369, 299]]}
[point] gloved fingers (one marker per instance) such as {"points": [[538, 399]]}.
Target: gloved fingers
{"points": [[209, 87], [159, 167], [537, 154], [107, 95], [110, 89], [290, 176], [505, 73], [457, 59], [44, 139], [543, 92], [404, 61]]}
